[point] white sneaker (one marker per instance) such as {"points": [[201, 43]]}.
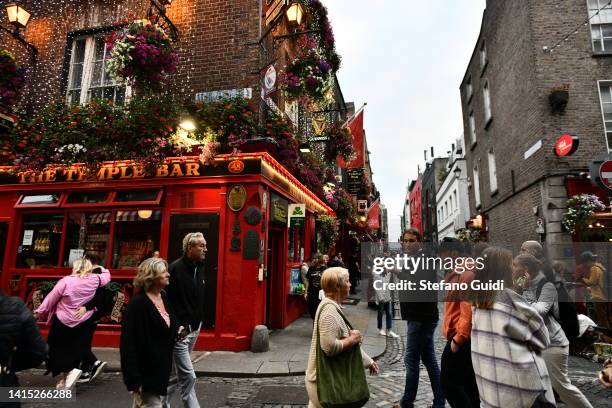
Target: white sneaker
{"points": [[394, 335], [72, 377], [382, 332]]}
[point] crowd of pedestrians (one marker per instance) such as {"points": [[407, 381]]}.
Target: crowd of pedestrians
{"points": [[504, 348]]}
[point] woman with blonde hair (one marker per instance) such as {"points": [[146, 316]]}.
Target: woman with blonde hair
{"points": [[332, 337], [68, 333], [508, 338], [148, 333]]}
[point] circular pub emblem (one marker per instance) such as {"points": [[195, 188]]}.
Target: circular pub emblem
{"points": [[566, 145], [236, 166]]}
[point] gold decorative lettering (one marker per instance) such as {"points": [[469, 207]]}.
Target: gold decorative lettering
{"points": [[192, 169], [138, 172], [49, 176], [162, 171], [123, 174], [176, 170], [69, 173]]}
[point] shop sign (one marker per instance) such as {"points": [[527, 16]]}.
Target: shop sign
{"points": [[28, 236], [236, 198], [319, 124], [566, 145], [605, 173], [246, 93], [297, 215], [269, 80], [236, 166], [533, 149], [355, 180], [279, 209], [120, 171]]}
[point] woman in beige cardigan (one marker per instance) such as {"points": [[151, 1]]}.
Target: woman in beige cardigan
{"points": [[335, 334]]}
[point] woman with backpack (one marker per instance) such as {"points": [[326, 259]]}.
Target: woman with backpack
{"points": [[543, 297]]}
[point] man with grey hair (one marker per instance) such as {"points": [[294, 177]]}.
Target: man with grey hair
{"points": [[186, 296]]}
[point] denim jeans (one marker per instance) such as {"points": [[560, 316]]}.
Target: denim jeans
{"points": [[185, 373], [386, 309], [420, 346]]}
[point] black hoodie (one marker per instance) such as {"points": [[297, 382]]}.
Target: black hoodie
{"points": [[186, 291]]}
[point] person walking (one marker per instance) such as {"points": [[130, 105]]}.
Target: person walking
{"points": [[69, 332], [90, 365], [542, 295], [421, 315], [186, 296], [333, 332], [313, 283], [596, 286], [457, 374], [384, 302], [21, 345], [508, 338], [148, 332]]}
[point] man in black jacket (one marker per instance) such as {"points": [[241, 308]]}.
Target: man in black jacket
{"points": [[420, 310], [186, 296], [21, 345]]}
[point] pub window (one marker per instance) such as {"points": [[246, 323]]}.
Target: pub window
{"points": [[295, 247], [87, 233], [600, 18], [40, 240], [87, 78], [137, 196], [86, 198], [136, 237], [605, 99], [39, 199]]}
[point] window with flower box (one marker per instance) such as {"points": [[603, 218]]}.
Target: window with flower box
{"points": [[87, 78]]}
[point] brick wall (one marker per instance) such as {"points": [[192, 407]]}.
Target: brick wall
{"points": [[213, 37], [521, 76]]}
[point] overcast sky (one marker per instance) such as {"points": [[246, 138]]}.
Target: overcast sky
{"points": [[406, 59]]}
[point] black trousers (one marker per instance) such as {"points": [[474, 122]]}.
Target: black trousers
{"points": [[89, 358], [458, 378]]}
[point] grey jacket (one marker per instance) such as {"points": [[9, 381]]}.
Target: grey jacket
{"points": [[548, 307]]}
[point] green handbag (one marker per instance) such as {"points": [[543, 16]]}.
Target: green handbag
{"points": [[341, 379]]}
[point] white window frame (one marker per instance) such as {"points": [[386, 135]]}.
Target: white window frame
{"points": [[88, 70], [476, 177], [486, 96], [607, 129], [597, 22], [469, 88], [492, 171], [484, 60], [472, 126]]}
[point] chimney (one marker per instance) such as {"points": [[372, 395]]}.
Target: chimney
{"points": [[453, 149], [425, 154], [432, 153]]}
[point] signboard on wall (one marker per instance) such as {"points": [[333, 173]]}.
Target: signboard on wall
{"points": [[278, 209], [273, 9], [354, 180], [297, 215]]}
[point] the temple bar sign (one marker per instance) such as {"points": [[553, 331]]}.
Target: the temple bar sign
{"points": [[110, 172]]}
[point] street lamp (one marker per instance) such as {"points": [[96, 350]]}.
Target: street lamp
{"points": [[457, 172], [19, 18], [17, 15], [295, 13]]}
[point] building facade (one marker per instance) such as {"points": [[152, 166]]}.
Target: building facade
{"points": [[525, 86], [416, 202], [433, 176], [453, 210]]}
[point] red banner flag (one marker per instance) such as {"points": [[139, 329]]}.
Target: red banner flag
{"points": [[374, 217], [356, 128]]}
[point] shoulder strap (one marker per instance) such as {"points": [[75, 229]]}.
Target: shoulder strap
{"points": [[539, 288]]}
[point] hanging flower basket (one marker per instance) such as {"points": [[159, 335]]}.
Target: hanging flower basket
{"points": [[308, 75], [142, 55], [580, 212], [339, 144], [11, 79]]}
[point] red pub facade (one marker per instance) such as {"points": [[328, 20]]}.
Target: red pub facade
{"points": [[124, 213]]}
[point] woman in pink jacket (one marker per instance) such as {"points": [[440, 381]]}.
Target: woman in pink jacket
{"points": [[69, 327]]}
